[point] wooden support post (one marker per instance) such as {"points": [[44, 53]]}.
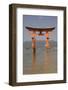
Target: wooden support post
{"points": [[47, 40], [33, 40]]}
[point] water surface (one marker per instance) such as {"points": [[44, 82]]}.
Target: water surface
{"points": [[39, 60]]}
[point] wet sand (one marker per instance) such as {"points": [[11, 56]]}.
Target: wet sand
{"points": [[39, 60]]}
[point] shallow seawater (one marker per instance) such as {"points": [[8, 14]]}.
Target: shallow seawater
{"points": [[39, 60]]}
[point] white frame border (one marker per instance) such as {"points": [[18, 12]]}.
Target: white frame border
{"points": [[39, 77]]}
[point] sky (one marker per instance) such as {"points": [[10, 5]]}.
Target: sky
{"points": [[38, 21]]}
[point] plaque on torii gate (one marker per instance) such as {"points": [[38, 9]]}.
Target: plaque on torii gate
{"points": [[40, 31]]}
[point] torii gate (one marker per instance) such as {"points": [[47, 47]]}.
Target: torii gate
{"points": [[40, 30]]}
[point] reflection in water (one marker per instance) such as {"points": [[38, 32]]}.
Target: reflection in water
{"points": [[47, 59], [33, 59], [39, 60], [50, 61]]}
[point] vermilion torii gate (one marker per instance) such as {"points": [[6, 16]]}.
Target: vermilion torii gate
{"points": [[40, 31]]}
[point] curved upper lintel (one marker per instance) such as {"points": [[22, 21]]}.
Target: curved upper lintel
{"points": [[40, 29]]}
